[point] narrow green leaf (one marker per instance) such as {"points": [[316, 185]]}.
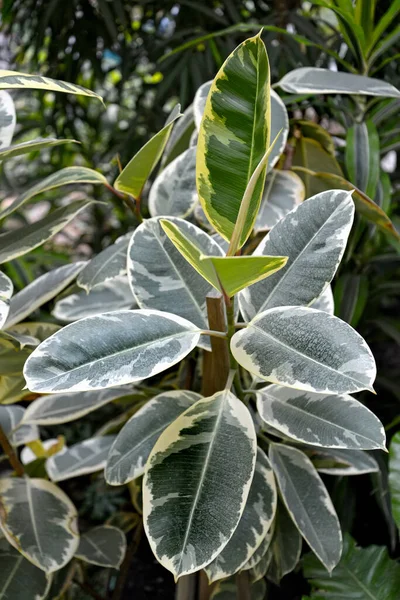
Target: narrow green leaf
{"points": [[104, 546], [136, 344], [394, 477], [308, 502], [13, 244], [28, 521], [65, 176], [227, 274], [362, 157], [15, 80], [31, 146], [133, 177], [234, 136], [305, 349], [207, 452]]}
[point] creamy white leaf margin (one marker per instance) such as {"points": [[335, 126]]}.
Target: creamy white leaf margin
{"points": [[6, 291], [40, 521], [308, 503], [11, 418], [305, 349], [135, 441], [8, 119], [349, 462], [185, 470], [135, 344]]}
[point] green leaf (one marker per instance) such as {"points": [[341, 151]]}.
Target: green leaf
{"points": [[351, 296], [308, 502], [15, 80], [313, 80], [207, 452], [86, 457], [314, 237], [40, 521], [384, 23], [285, 548], [40, 291], [312, 130], [320, 419], [362, 573], [227, 274], [343, 462], [130, 451], [283, 191], [161, 278], [104, 546], [110, 264], [7, 119], [113, 294], [12, 388], [136, 344], [362, 157], [6, 291], [320, 182], [31, 146], [133, 177], [394, 477], [309, 155], [40, 331], [63, 408], [13, 244], [261, 550], [173, 192], [11, 418], [65, 176], [20, 579], [234, 136], [305, 349], [253, 526]]}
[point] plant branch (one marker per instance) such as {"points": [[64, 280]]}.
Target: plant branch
{"points": [[11, 454]]}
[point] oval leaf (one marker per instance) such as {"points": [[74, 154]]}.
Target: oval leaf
{"points": [[40, 521], [314, 237], [253, 526], [207, 452], [135, 344], [312, 80], [306, 349], [80, 459], [19, 578], [135, 441], [234, 136], [285, 548], [323, 420], [344, 462], [282, 192], [40, 291], [173, 192], [104, 546]]}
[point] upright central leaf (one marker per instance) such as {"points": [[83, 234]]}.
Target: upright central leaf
{"points": [[234, 136]]}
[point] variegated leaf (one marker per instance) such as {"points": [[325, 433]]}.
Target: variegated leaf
{"points": [[208, 452], [31, 146], [6, 291], [63, 408], [173, 192], [199, 102], [17, 433], [40, 291], [313, 80], [132, 178], [228, 590], [37, 330], [40, 521], [20, 241], [314, 237], [42, 450], [110, 264], [60, 178], [19, 578], [22, 339], [83, 458], [325, 301], [324, 420], [283, 191], [161, 278], [115, 294], [15, 80], [135, 441], [253, 526], [7, 119], [279, 125], [12, 388], [343, 462], [135, 344], [234, 136], [308, 502], [394, 477], [104, 546], [261, 550], [306, 349], [179, 139], [285, 548]]}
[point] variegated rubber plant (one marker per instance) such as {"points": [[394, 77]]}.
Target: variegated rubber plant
{"points": [[229, 279]]}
